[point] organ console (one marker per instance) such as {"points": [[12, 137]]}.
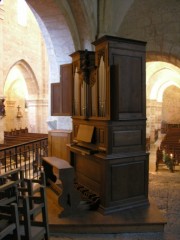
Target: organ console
{"points": [[108, 150]]}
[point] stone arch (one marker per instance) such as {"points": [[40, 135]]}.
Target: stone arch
{"points": [[155, 56], [76, 27], [162, 74], [20, 90], [161, 65], [171, 104], [66, 26], [30, 79]]}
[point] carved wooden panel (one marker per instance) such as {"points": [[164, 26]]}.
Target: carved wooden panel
{"points": [[128, 137], [128, 85], [88, 172], [61, 93], [57, 141], [124, 183], [55, 99], [66, 89]]}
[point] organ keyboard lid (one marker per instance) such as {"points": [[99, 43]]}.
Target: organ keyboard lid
{"points": [[85, 133], [83, 142]]}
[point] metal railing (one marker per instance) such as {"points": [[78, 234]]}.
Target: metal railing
{"points": [[26, 156]]}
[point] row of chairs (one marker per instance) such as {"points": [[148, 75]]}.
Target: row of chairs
{"points": [[23, 207]]}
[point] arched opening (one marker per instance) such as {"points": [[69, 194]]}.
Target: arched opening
{"points": [[20, 89], [163, 94], [171, 105], [65, 28]]}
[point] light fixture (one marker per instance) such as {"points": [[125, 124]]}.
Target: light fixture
{"points": [[19, 114]]}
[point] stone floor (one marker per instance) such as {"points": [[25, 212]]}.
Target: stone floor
{"points": [[164, 189]]}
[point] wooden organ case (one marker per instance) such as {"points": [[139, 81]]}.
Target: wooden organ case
{"points": [[108, 150]]}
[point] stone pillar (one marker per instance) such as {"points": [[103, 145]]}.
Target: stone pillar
{"points": [[1, 45], [37, 112], [10, 119], [1, 129], [1, 70], [154, 118]]}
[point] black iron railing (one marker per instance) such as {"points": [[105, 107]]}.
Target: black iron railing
{"points": [[26, 156]]}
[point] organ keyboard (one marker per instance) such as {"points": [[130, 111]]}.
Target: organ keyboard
{"points": [[83, 150]]}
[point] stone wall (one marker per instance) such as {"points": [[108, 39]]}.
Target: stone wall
{"points": [[171, 105], [153, 112], [23, 44]]}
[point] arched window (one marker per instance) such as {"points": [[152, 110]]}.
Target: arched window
{"points": [[22, 12]]}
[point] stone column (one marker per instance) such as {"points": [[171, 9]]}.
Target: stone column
{"points": [[154, 118], [1, 46], [10, 119], [1, 70], [1, 123], [37, 111]]}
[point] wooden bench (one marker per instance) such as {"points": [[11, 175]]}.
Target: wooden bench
{"points": [[18, 136], [23, 138], [68, 196], [16, 131], [171, 145]]}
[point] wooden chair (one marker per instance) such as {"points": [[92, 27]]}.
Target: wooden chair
{"points": [[8, 193], [31, 187], [12, 175], [31, 202], [33, 217], [9, 222], [9, 183], [9, 217]]}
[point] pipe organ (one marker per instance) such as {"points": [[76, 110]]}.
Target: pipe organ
{"points": [[108, 149]]}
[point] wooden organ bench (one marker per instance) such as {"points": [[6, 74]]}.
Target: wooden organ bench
{"points": [[68, 196]]}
